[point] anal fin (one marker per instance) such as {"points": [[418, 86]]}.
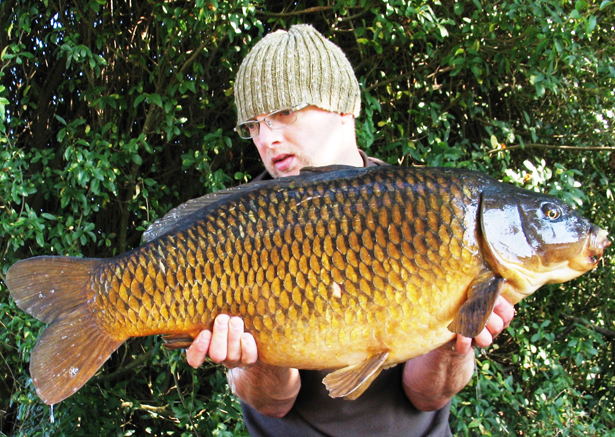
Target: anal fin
{"points": [[177, 341], [476, 310], [350, 382]]}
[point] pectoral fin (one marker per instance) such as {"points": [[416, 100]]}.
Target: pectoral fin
{"points": [[475, 312], [350, 382]]}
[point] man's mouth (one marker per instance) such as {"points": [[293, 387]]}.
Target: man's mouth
{"points": [[282, 162]]}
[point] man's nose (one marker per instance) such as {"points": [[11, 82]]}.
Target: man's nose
{"points": [[267, 135]]}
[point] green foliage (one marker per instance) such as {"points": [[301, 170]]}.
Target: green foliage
{"points": [[111, 113]]}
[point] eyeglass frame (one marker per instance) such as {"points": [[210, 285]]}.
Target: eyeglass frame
{"points": [[294, 109]]}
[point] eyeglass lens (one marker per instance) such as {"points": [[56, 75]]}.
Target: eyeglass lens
{"points": [[275, 120]]}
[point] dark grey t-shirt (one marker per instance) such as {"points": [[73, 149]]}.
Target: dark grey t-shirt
{"points": [[383, 410]]}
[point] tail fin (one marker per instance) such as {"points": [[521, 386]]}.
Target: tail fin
{"points": [[73, 347]]}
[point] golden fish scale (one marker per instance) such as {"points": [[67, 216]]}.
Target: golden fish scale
{"points": [[313, 270]]}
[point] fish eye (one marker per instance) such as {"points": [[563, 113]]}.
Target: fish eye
{"points": [[551, 211]]}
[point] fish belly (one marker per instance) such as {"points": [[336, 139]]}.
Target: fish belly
{"points": [[333, 339]]}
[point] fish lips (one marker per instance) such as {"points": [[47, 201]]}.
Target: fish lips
{"points": [[593, 251]]}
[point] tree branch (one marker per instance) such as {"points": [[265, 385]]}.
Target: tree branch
{"points": [[294, 13], [193, 57], [406, 75], [551, 146], [599, 329]]}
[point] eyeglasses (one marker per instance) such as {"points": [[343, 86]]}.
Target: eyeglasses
{"points": [[275, 120]]}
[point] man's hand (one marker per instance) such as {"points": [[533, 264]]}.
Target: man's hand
{"points": [[431, 380], [503, 313], [227, 344], [271, 390]]}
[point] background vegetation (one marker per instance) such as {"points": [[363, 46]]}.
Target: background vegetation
{"points": [[112, 112]]}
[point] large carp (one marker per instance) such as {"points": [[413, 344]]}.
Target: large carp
{"points": [[349, 269]]}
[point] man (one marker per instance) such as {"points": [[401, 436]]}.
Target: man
{"points": [[297, 98]]}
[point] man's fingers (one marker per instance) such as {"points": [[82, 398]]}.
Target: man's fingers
{"points": [[495, 325], [484, 339], [235, 331], [227, 344], [463, 345], [197, 352], [249, 351], [219, 340], [505, 310]]}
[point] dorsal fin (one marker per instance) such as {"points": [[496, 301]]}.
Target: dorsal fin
{"points": [[171, 219], [306, 171]]}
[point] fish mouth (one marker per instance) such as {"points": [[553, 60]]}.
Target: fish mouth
{"points": [[597, 242]]}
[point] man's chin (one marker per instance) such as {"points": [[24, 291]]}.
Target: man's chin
{"points": [[281, 174]]}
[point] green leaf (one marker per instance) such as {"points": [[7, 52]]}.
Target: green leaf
{"points": [[591, 24], [494, 142], [136, 159], [156, 99]]}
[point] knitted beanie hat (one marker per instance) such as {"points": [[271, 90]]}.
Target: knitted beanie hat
{"points": [[285, 69]]}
